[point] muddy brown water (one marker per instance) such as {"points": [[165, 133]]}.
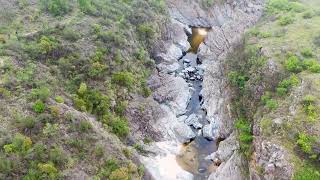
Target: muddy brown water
{"points": [[192, 155], [198, 36]]}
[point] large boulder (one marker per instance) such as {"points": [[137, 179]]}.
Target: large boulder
{"points": [[183, 132]]}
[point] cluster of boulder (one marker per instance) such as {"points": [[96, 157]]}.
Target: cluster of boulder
{"points": [[191, 71]]}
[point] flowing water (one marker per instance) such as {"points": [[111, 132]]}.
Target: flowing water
{"points": [[192, 155]]}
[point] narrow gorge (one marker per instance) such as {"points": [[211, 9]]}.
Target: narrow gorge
{"points": [[191, 89]]}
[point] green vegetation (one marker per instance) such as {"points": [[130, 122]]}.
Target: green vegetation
{"points": [[39, 106], [245, 135], [55, 7], [286, 84], [307, 172], [60, 57], [285, 20]]}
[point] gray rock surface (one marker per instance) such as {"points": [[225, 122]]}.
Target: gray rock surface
{"points": [[183, 132], [233, 169], [193, 120], [226, 149], [274, 161]]}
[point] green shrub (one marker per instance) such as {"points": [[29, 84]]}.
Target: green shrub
{"points": [[26, 122], [42, 93], [125, 79], [47, 44], [85, 126], [70, 34], [121, 107], [245, 135], [49, 170], [307, 52], [306, 173], [272, 104], [237, 79], [59, 99], [308, 14], [99, 151], [120, 127], [96, 69], [139, 148], [312, 65], [106, 170], [266, 97], [20, 144], [39, 151], [278, 6], [141, 170], [112, 38], [308, 100], [293, 64], [6, 165], [309, 108], [39, 106], [146, 31], [86, 6], [285, 20], [120, 174], [50, 130], [305, 142], [56, 7], [296, 7], [58, 156], [286, 84]]}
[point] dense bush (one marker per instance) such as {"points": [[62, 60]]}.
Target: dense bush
{"points": [[305, 143], [307, 173], [86, 6], [20, 144], [285, 20], [278, 6], [42, 93], [308, 14], [307, 52], [238, 80], [39, 106], [85, 126], [59, 99], [245, 135], [293, 64], [56, 7], [309, 107], [120, 127], [285, 85], [125, 79], [268, 101], [312, 65]]}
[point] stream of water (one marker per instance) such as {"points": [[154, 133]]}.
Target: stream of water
{"points": [[192, 155]]}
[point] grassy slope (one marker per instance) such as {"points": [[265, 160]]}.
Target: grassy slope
{"points": [[45, 54], [283, 118]]}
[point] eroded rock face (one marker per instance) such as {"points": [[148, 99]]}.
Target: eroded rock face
{"points": [[272, 159]]}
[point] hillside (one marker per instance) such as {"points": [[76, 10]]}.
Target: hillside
{"points": [[67, 72], [276, 75]]}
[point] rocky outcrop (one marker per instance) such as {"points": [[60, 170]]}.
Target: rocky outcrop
{"points": [[230, 162], [270, 162]]}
